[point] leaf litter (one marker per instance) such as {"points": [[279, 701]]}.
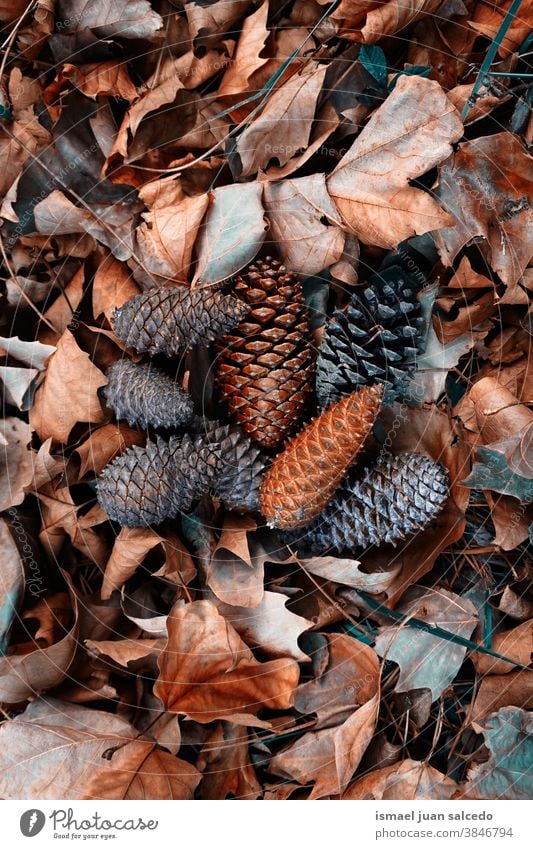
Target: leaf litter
{"points": [[146, 146]]}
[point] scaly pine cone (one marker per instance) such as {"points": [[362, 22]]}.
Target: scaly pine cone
{"points": [[145, 396], [303, 478], [174, 318], [375, 340], [266, 365], [145, 486], [394, 498], [136, 489]]}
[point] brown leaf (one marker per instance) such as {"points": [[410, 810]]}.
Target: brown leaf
{"points": [[406, 780], [104, 444], [26, 136], [207, 672], [410, 133], [487, 20], [129, 550], [283, 127], [112, 285], [101, 78], [269, 627], [111, 224], [39, 669], [225, 765], [302, 220], [60, 517], [350, 679], [16, 462], [329, 757], [497, 691], [231, 574], [109, 18], [68, 393], [247, 58], [516, 643], [343, 571], [488, 188], [66, 744], [232, 232], [357, 22]]}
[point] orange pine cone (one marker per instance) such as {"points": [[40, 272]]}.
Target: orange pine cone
{"points": [[303, 478]]}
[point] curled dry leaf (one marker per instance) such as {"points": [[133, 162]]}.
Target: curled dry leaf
{"points": [[497, 691], [247, 58], [65, 745], [330, 757], [112, 286], [68, 393], [36, 670], [134, 19], [225, 765], [207, 672], [408, 135], [12, 583], [165, 241], [283, 127], [131, 547], [233, 576], [406, 780], [487, 186], [16, 462], [104, 444]]}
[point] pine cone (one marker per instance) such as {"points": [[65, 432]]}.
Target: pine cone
{"points": [[303, 478], [174, 318], [394, 498], [266, 365], [145, 486], [145, 396], [375, 340], [136, 489]]}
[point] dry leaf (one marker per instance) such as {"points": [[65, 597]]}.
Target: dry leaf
{"points": [[487, 186], [303, 222], [232, 233], [406, 780], [408, 135], [207, 672], [68, 393], [66, 744], [283, 127]]}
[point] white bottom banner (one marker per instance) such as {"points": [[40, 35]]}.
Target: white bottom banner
{"points": [[238, 824]]}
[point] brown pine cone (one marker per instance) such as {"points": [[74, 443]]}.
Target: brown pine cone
{"points": [[174, 319], [303, 478], [266, 366], [146, 396]]}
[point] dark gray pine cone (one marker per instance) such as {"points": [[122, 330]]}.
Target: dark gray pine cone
{"points": [[394, 498], [136, 489], [375, 340], [145, 486], [145, 396], [174, 318]]}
